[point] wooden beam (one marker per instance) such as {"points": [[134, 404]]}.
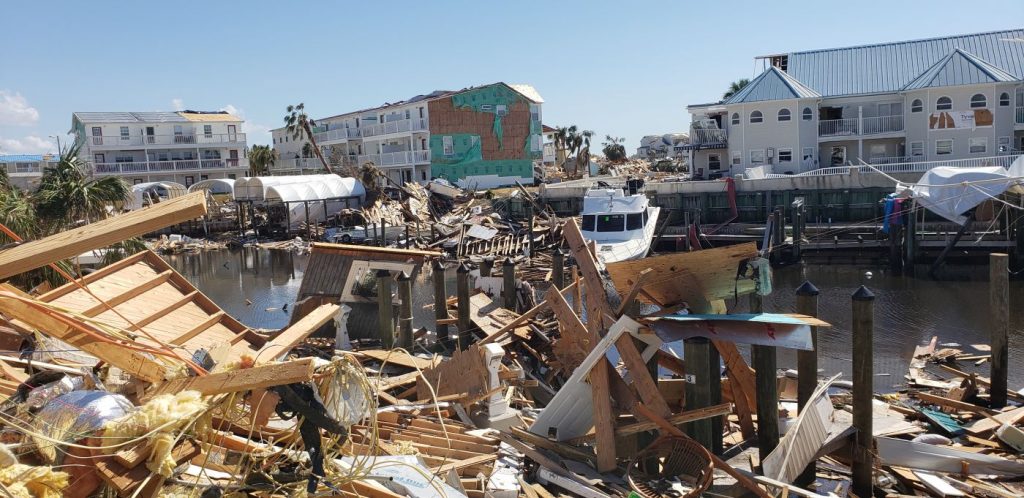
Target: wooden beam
{"points": [[369, 251], [741, 382], [94, 276], [670, 362], [71, 243], [198, 329], [162, 312], [641, 279], [125, 296], [293, 335], [262, 376], [53, 323], [597, 298], [644, 384], [498, 334], [950, 403], [682, 418]]}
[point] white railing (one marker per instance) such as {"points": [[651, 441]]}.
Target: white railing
{"points": [[297, 163], [421, 156], [397, 126], [708, 136], [336, 134], [1020, 115], [895, 159], [400, 158], [882, 124], [837, 127], [166, 166], [26, 168], [183, 139], [913, 166]]}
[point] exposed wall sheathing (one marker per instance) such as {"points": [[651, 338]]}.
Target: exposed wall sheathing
{"points": [[484, 142]]}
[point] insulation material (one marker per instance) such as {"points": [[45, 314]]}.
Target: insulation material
{"points": [[26, 481], [165, 412], [68, 417]]}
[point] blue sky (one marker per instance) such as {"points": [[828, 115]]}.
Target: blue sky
{"points": [[621, 68]]}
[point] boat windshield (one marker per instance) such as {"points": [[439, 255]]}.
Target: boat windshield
{"points": [[588, 222], [634, 221], [610, 222]]}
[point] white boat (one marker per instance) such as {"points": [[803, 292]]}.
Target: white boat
{"points": [[621, 222]]}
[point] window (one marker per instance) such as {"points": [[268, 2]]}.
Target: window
{"points": [[977, 145], [943, 147], [978, 100], [1003, 144], [124, 133], [944, 104], [808, 156], [588, 222], [890, 109], [784, 115], [536, 143], [610, 222], [189, 180], [207, 177], [423, 175], [785, 155], [916, 106], [634, 221], [737, 158], [714, 162], [136, 181], [757, 156], [407, 114], [1004, 99], [177, 130], [808, 114], [501, 109], [23, 167], [448, 144], [735, 118], [207, 131], [756, 117], [916, 149], [534, 112], [421, 113], [232, 176]]}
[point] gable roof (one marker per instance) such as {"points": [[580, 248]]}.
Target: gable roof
{"points": [[959, 68], [773, 84], [889, 67]]}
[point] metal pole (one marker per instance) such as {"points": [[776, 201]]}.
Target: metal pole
{"points": [[508, 289], [405, 311], [386, 328], [440, 300], [999, 295], [863, 387], [462, 284], [807, 363]]}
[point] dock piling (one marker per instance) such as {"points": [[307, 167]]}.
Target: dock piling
{"points": [[486, 266], [999, 295], [405, 311], [440, 301], [508, 288], [386, 327], [558, 268], [863, 388], [462, 291], [763, 359], [807, 362]]}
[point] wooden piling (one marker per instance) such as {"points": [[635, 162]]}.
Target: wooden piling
{"points": [[486, 266], [440, 301], [462, 293], [798, 230], [508, 288], [780, 227], [529, 216], [386, 327], [405, 311], [697, 355], [863, 388], [763, 359], [910, 243], [999, 296], [896, 248], [558, 268], [807, 363]]}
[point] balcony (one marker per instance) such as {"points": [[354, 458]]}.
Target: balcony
{"points": [[143, 167], [858, 127], [1020, 115], [398, 126], [336, 134], [838, 127], [158, 140], [401, 158], [882, 124]]}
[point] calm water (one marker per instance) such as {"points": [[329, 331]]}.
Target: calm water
{"points": [[908, 311]]}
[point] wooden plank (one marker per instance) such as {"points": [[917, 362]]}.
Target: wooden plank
{"points": [[468, 462], [213, 319], [638, 284], [57, 324], [71, 243], [575, 342], [372, 252], [245, 379], [294, 334], [133, 292], [597, 298], [742, 385], [162, 312], [398, 358], [681, 418], [94, 276], [644, 384], [497, 335], [949, 403]]}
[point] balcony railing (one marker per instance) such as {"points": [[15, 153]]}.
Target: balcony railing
{"points": [[26, 168], [837, 127], [183, 139], [123, 168], [708, 136], [1020, 115], [336, 134], [914, 166], [882, 124], [401, 158], [398, 126]]}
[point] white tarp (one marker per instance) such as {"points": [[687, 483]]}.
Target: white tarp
{"points": [[297, 188], [949, 192], [144, 194], [214, 185]]}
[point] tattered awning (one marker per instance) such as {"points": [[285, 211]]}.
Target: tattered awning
{"points": [[765, 329], [950, 192]]}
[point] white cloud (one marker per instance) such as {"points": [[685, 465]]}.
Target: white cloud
{"points": [[28, 145], [15, 111], [178, 104], [233, 110], [255, 133]]}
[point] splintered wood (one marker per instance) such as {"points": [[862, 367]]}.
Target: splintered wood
{"points": [[464, 373]]}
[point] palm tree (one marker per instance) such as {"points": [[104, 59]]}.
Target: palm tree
{"points": [[583, 154], [561, 143], [261, 159], [18, 214], [734, 87], [301, 127], [614, 149], [67, 193]]}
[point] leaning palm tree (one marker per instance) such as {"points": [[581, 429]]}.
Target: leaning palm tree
{"points": [[68, 193], [583, 156], [734, 87], [301, 127], [261, 159]]}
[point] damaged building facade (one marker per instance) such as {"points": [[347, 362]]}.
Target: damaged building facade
{"points": [[951, 98], [480, 137]]}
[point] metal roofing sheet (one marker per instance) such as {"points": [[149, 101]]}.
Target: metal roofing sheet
{"points": [[130, 117], [27, 158], [888, 67], [772, 84], [959, 68]]}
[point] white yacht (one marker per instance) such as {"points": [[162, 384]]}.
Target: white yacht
{"points": [[620, 221]]}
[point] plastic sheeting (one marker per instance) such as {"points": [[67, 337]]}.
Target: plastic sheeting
{"points": [[297, 188], [215, 186], [75, 414], [950, 192]]}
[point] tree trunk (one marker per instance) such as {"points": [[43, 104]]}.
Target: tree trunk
{"points": [[316, 149]]}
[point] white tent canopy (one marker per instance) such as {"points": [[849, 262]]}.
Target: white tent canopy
{"points": [[950, 192], [214, 186], [152, 192], [306, 188]]}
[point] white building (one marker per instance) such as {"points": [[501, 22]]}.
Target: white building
{"points": [[951, 98], [24, 170], [667, 146], [182, 147]]}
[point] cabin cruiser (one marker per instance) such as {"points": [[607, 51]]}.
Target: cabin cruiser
{"points": [[620, 221]]}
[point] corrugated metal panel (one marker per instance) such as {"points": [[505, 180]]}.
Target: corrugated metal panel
{"points": [[888, 67], [959, 68], [130, 117], [25, 158], [772, 84]]}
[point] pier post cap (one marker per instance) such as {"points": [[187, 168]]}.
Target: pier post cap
{"points": [[403, 277], [463, 268], [508, 262], [863, 294], [559, 252], [438, 265], [383, 273], [807, 289], [489, 259]]}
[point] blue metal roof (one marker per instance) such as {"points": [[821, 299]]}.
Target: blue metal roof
{"points": [[889, 67], [959, 68], [772, 84], [26, 158]]}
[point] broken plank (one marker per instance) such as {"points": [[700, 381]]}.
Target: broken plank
{"points": [[244, 379], [681, 418], [294, 334]]}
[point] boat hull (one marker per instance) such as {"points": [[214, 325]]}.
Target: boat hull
{"points": [[625, 250]]}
